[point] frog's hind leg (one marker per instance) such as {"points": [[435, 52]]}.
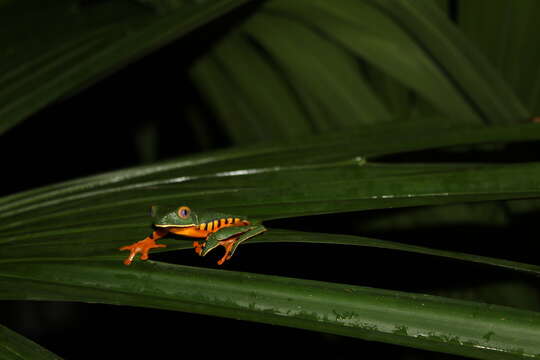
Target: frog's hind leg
{"points": [[229, 238], [245, 236]]}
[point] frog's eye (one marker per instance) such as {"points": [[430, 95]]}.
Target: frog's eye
{"points": [[183, 212]]}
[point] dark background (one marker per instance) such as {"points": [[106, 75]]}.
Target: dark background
{"points": [[99, 130]]}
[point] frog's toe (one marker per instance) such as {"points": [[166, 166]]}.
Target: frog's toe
{"points": [[207, 246], [129, 259], [199, 247]]}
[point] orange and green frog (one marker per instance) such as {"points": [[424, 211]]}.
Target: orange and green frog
{"points": [[217, 229]]}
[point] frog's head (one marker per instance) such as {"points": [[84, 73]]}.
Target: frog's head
{"points": [[181, 216]]}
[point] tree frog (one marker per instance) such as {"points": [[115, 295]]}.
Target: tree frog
{"points": [[216, 229]]}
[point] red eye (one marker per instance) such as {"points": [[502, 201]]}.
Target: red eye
{"points": [[183, 212]]}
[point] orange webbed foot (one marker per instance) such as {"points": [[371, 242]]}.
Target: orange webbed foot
{"points": [[141, 247], [227, 244]]}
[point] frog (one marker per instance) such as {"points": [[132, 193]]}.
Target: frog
{"points": [[213, 228]]}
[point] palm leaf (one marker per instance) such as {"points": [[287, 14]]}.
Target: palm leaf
{"points": [[62, 239], [376, 38], [338, 86], [16, 347], [477, 79], [465, 328], [275, 105], [501, 30], [77, 44], [325, 48]]}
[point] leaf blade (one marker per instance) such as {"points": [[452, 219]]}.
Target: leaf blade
{"points": [[338, 84], [416, 320], [478, 81], [233, 180], [117, 42], [16, 347], [375, 38]]}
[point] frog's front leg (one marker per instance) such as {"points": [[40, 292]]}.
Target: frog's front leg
{"points": [[229, 238], [144, 246]]}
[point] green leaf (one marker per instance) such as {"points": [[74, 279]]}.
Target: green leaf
{"points": [[475, 76], [427, 322], [277, 112], [320, 238], [63, 239], [321, 68], [70, 45], [502, 29], [233, 111], [323, 174], [319, 44], [376, 38], [16, 347]]}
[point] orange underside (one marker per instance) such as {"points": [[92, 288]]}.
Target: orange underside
{"points": [[192, 231]]}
